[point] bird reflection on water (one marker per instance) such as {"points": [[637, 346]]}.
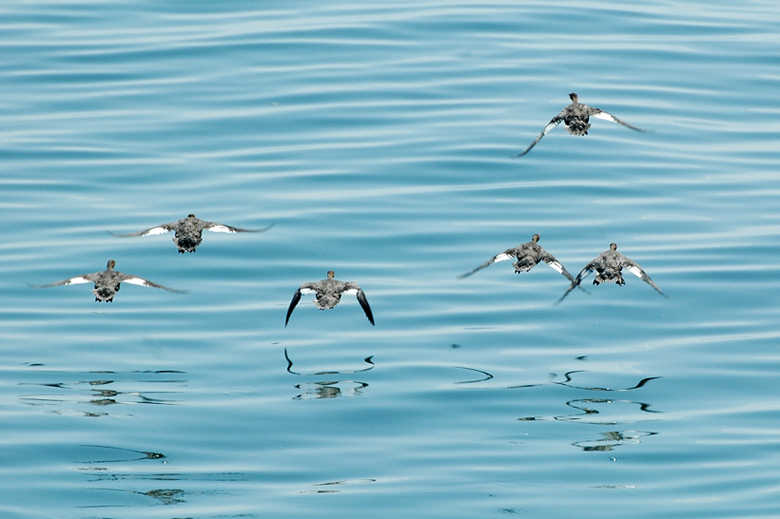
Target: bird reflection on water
{"points": [[331, 388], [104, 391]]}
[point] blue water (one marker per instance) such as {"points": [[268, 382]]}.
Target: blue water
{"points": [[378, 138]]}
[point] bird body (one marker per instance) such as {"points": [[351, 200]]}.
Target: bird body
{"points": [[576, 120], [527, 256], [107, 282], [189, 231], [607, 267], [328, 294]]}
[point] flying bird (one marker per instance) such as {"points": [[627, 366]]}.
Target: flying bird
{"points": [[607, 267], [328, 294], [188, 231], [527, 256], [107, 282], [575, 118]]}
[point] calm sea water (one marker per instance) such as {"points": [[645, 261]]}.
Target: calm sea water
{"points": [[378, 138]]}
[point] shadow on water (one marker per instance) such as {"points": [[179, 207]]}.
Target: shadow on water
{"points": [[333, 388], [103, 389]]}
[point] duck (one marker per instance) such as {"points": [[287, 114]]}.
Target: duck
{"points": [[608, 267], [107, 282], [328, 294], [528, 255], [188, 231], [575, 118]]}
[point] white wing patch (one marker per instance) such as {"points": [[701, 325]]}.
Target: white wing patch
{"points": [[307, 291], [555, 265], [77, 280], [156, 230], [550, 126], [351, 291], [136, 281], [220, 228], [503, 256], [635, 270], [607, 117]]}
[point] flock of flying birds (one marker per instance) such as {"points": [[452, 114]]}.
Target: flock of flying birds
{"points": [[607, 267]]}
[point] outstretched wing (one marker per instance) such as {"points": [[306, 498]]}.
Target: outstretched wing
{"points": [[636, 270], [552, 124], [353, 288], [557, 265], [219, 227], [361, 297], [295, 299], [160, 229], [601, 114], [587, 269], [506, 255], [85, 278], [135, 280]]}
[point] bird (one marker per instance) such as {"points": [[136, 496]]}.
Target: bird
{"points": [[575, 118], [188, 231], [329, 292], [607, 267], [107, 282], [528, 255]]}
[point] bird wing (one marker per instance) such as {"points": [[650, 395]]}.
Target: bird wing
{"points": [[636, 270], [306, 288], [587, 269], [295, 299], [507, 254], [219, 227], [85, 278], [354, 288], [152, 231], [557, 265], [135, 280], [552, 124], [601, 114]]}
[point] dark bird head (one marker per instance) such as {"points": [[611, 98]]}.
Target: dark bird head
{"points": [[110, 265], [535, 238], [331, 274], [613, 246], [573, 97]]}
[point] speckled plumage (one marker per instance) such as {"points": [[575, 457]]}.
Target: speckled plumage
{"points": [[575, 118], [107, 282], [527, 256], [607, 268], [188, 231], [328, 294]]}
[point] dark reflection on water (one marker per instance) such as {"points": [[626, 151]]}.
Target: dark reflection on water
{"points": [[120, 455], [612, 440], [584, 406], [604, 411], [332, 486], [367, 360], [329, 388], [569, 374], [486, 376], [99, 393], [162, 496]]}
